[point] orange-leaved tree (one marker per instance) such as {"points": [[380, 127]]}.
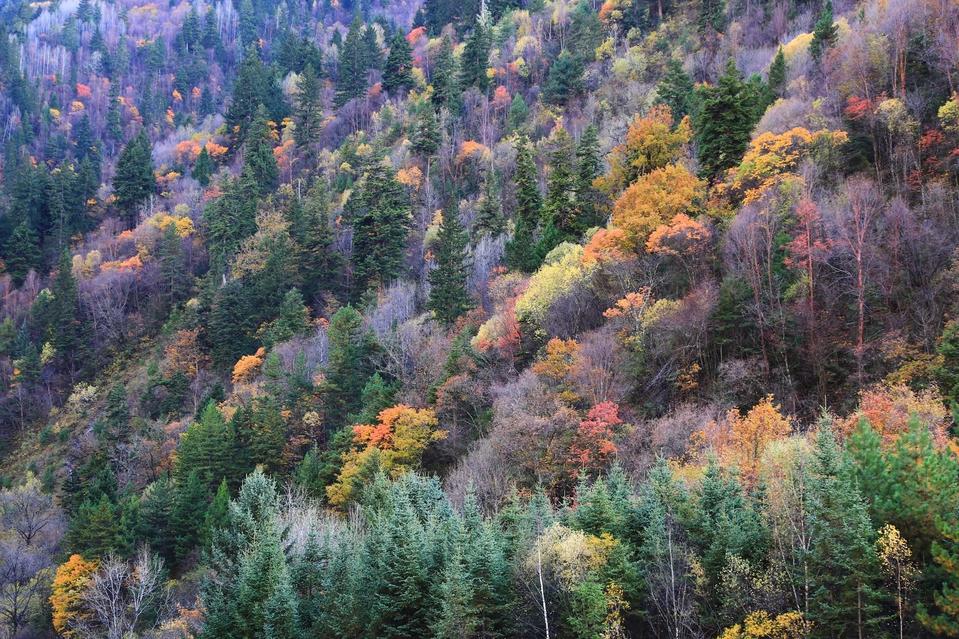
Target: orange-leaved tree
{"points": [[655, 199], [66, 597], [395, 445]]}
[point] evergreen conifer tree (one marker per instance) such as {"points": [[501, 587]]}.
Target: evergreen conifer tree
{"points": [[308, 112], [352, 67], [208, 449], [449, 297], [824, 34], [444, 78], [21, 253], [380, 214], [259, 163], [134, 181], [565, 79], [776, 80], [675, 90], [475, 58], [725, 123], [528, 206], [203, 168], [398, 72]]}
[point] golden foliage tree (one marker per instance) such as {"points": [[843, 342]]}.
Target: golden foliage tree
{"points": [[655, 199], [69, 585]]}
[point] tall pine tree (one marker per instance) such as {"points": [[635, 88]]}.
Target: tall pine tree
{"points": [[449, 297]]}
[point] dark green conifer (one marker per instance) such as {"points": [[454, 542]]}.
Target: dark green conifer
{"points": [[449, 297]]}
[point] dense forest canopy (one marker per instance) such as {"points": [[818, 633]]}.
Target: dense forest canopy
{"points": [[479, 319]]}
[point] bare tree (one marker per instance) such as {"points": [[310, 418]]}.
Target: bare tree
{"points": [[125, 599]]}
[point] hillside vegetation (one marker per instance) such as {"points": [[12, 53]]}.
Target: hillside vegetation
{"points": [[479, 319]]}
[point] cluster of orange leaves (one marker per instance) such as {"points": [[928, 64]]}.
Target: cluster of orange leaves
{"points": [[593, 444], [470, 149], [630, 305], [66, 596], [132, 263], [740, 440], [248, 365], [655, 199], [889, 409], [682, 236], [651, 143], [605, 246]]}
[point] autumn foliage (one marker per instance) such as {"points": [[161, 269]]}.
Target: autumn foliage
{"points": [[66, 598]]}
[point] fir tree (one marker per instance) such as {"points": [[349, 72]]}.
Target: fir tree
{"points": [[712, 16], [208, 449], [320, 264], [565, 79], [187, 515], [528, 206], [21, 253], [372, 55], [449, 297], [259, 163], [776, 80], [589, 199], [560, 208], [489, 216], [249, 93], [475, 59], [824, 34], [203, 168], [398, 72], [380, 214], [425, 137], [676, 90], [842, 562], [518, 113], [134, 181], [444, 78], [308, 113], [154, 521], [725, 124], [70, 334], [352, 67], [349, 364]]}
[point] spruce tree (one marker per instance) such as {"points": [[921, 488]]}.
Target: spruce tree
{"points": [[21, 253], [589, 199], [154, 521], [712, 16], [259, 163], [398, 72], [187, 515], [725, 123], [565, 79], [449, 297], [134, 181], [489, 216], [518, 113], [349, 364], [249, 93], [425, 136], [560, 208], [475, 58], [208, 449], [380, 213], [844, 569], [372, 55], [519, 253], [444, 78], [203, 168], [824, 34], [676, 90], [70, 337], [308, 112], [776, 80], [352, 67]]}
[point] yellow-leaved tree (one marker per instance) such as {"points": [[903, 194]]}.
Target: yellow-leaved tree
{"points": [[395, 445], [655, 199], [69, 585]]}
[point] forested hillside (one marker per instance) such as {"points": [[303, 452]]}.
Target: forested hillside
{"points": [[479, 319]]}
